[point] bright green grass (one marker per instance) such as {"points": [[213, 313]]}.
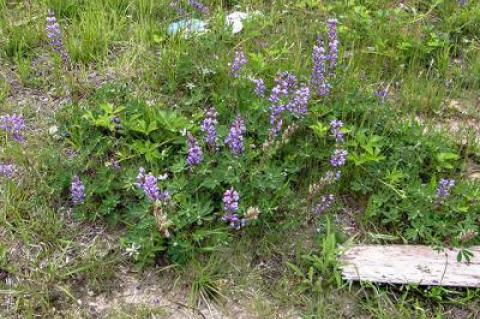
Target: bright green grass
{"points": [[415, 50]]}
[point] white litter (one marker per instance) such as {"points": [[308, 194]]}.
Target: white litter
{"points": [[187, 26], [235, 20]]}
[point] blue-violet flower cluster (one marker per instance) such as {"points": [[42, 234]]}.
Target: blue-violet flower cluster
{"points": [[239, 60], [259, 87], [54, 34], [382, 94], [324, 64], [444, 187], [148, 183], [77, 190], [286, 95], [175, 5], [324, 204], [14, 125], [299, 102], [208, 127], [198, 6], [195, 154], [335, 130], [230, 207], [339, 158], [332, 44], [318, 77], [234, 139], [7, 170]]}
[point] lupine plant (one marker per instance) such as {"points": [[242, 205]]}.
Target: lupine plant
{"points": [[325, 203], [195, 154], [332, 45], [149, 184], [259, 87], [198, 6], [443, 189], [336, 130], [325, 63], [7, 170], [286, 95], [318, 77], [13, 125], [230, 207], [239, 60], [382, 94], [209, 128], [218, 179], [77, 191], [54, 35], [235, 137]]}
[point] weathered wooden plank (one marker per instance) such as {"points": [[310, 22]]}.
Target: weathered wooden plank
{"points": [[410, 264]]}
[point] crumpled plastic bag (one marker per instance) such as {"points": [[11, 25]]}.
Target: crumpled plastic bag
{"points": [[187, 26], [235, 20]]}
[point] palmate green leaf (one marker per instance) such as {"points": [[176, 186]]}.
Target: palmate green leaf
{"points": [[109, 204], [172, 121], [446, 160], [257, 60], [140, 125], [319, 129], [179, 166], [192, 212], [360, 159], [210, 183], [464, 254], [149, 150]]}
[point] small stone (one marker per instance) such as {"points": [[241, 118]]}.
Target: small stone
{"points": [[475, 176]]}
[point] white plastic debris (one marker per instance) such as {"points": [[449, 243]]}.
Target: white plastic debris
{"points": [[235, 20], [187, 26], [53, 130]]}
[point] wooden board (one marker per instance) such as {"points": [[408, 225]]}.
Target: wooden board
{"points": [[409, 264]]}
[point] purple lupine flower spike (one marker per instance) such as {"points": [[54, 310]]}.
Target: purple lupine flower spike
{"points": [[443, 188], [208, 127], [234, 139], [14, 125], [318, 77], [259, 87], [324, 204], [335, 129], [140, 180], [195, 154], [298, 105], [175, 5], [276, 121], [339, 158], [7, 170], [230, 207], [285, 84], [77, 191], [54, 34], [239, 60], [198, 6], [230, 201], [332, 45], [148, 183], [382, 94]]}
